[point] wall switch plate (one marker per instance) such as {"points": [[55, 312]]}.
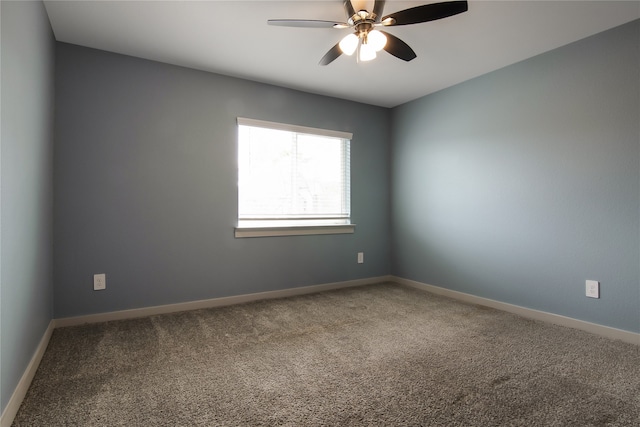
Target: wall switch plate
{"points": [[360, 257], [99, 282], [593, 289]]}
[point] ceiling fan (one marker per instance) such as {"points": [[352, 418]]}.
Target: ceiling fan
{"points": [[366, 39]]}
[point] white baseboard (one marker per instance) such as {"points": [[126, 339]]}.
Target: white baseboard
{"points": [[215, 302], [556, 319], [20, 392]]}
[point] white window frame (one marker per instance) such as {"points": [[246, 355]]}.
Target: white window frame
{"points": [[291, 227]]}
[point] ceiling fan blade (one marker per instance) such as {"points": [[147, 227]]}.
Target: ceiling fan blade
{"points": [[306, 23], [348, 7], [331, 56], [378, 6], [398, 48], [427, 12]]}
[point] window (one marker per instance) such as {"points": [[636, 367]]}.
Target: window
{"points": [[292, 180]]}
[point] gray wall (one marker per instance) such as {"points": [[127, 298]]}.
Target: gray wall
{"points": [[26, 176], [521, 184], [145, 186]]}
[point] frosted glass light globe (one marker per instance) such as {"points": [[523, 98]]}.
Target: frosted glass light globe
{"points": [[349, 44], [367, 52], [377, 40]]}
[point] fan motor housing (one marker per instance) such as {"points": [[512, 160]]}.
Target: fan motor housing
{"points": [[363, 28]]}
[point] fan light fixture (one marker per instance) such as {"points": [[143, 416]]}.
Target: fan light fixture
{"points": [[367, 43], [365, 40]]}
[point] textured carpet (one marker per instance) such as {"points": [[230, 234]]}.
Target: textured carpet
{"points": [[373, 355]]}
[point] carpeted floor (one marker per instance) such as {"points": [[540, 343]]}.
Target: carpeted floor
{"points": [[373, 355]]}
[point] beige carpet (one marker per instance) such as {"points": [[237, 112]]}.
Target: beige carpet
{"points": [[374, 355]]}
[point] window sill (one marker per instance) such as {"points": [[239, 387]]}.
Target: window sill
{"points": [[304, 230]]}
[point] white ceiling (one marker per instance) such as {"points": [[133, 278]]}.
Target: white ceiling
{"points": [[233, 38]]}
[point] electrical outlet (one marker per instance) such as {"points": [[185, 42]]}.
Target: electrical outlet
{"points": [[592, 288], [99, 282], [360, 257]]}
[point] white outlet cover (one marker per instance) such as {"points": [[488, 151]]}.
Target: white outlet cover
{"points": [[99, 282], [592, 288], [360, 257]]}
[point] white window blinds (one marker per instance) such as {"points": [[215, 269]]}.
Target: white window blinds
{"points": [[292, 175]]}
